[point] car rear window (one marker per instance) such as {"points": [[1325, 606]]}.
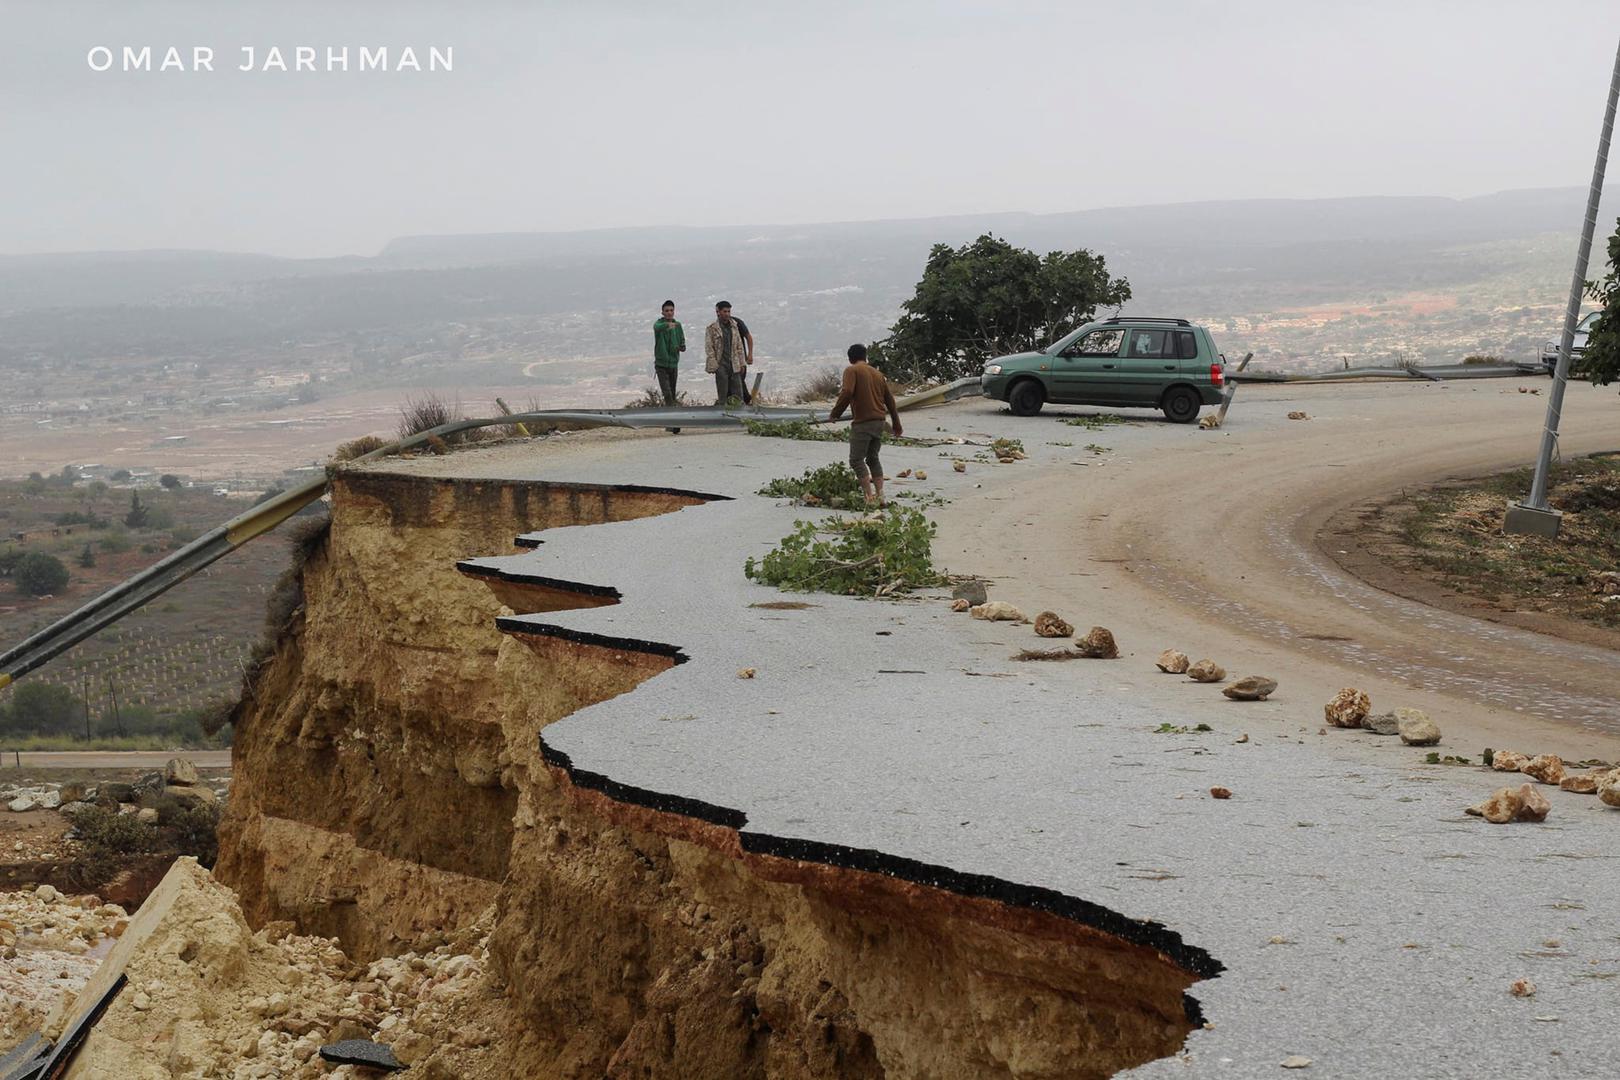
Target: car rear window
{"points": [[1153, 344], [1186, 345]]}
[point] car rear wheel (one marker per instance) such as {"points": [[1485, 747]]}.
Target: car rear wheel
{"points": [[1181, 404], [1026, 398]]}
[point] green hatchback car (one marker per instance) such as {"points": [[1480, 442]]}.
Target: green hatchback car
{"points": [[1167, 364]]}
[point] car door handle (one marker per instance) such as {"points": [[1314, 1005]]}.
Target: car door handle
{"points": [[1169, 367], [1109, 367]]}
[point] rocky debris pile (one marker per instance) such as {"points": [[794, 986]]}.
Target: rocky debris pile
{"points": [[22, 800], [1547, 768], [1098, 644], [1415, 728], [1050, 624], [49, 945], [1601, 779], [1352, 708], [1382, 724], [972, 590], [178, 786], [1348, 708], [1173, 662], [208, 997], [1508, 805], [1250, 688]]}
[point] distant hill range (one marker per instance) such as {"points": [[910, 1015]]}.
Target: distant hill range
{"points": [[810, 284]]}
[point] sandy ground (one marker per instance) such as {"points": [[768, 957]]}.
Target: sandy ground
{"points": [[1207, 542], [1365, 922]]}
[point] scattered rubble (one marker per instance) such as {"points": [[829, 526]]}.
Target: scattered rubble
{"points": [[1348, 708], [1416, 729], [50, 945], [996, 611], [362, 1052], [959, 466], [1508, 760], [1508, 805], [1609, 789], [1382, 724], [1173, 662], [1220, 793], [1295, 1061], [1298, 415], [1206, 671], [208, 997], [1098, 644], [1583, 783], [1547, 768], [1250, 688], [1522, 987], [960, 605], [1050, 624], [973, 591], [180, 772], [745, 673]]}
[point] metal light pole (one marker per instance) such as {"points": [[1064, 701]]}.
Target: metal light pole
{"points": [[1534, 515]]}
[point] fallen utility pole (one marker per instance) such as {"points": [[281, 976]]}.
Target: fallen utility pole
{"points": [[1534, 516]]}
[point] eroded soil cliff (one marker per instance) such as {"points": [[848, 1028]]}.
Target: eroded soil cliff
{"points": [[391, 791]]}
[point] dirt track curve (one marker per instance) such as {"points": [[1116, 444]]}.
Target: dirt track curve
{"points": [[1210, 542]]}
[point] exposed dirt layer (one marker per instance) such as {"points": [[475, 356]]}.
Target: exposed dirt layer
{"points": [[1444, 546], [391, 783]]}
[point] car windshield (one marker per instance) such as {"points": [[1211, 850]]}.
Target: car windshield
{"points": [[1586, 323]]}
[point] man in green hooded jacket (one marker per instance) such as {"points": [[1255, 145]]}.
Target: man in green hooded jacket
{"points": [[669, 341]]}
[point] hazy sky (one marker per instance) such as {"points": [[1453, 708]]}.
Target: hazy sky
{"points": [[582, 115]]}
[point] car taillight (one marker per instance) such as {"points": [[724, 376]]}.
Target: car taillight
{"points": [[1217, 377]]}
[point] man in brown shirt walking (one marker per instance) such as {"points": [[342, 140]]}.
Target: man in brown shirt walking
{"points": [[867, 396]]}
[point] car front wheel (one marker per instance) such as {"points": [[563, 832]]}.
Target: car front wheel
{"points": [[1026, 398], [1181, 404]]}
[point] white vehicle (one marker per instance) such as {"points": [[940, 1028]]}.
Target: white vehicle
{"points": [[1549, 351]]}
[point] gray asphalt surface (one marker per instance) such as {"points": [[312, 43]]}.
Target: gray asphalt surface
{"points": [[1365, 922]]}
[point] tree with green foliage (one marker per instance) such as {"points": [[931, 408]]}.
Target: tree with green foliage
{"points": [[169, 481], [138, 515], [39, 574], [872, 555], [1600, 360], [989, 299], [87, 557], [41, 708]]}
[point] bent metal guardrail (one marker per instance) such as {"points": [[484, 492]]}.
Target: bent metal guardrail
{"points": [[166, 573]]}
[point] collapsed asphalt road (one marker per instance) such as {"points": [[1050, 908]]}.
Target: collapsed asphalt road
{"points": [[1341, 884]]}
